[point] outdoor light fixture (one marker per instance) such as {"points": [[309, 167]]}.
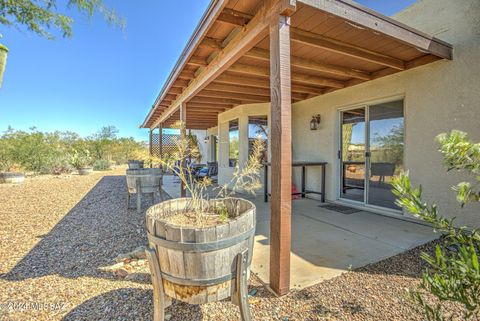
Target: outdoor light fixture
{"points": [[206, 139], [315, 122]]}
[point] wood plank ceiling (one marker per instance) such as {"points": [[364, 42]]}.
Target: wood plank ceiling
{"points": [[327, 54]]}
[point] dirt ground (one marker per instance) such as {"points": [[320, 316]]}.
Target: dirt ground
{"points": [[57, 232]]}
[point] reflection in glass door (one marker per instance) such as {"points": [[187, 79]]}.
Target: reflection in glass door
{"points": [[352, 154], [386, 151], [371, 152]]}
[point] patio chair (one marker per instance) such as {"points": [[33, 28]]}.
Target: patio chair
{"points": [[210, 171], [381, 170]]}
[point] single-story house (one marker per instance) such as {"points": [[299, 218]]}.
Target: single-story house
{"points": [[330, 81]]}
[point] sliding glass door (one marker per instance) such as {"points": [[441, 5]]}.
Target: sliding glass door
{"points": [[353, 154], [371, 152]]}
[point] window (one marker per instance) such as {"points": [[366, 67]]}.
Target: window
{"points": [[233, 143], [258, 129]]}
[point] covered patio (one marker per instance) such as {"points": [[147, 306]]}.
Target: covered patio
{"points": [[283, 52], [327, 243]]}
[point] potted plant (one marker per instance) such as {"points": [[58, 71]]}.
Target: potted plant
{"points": [[82, 161], [200, 247], [3, 61]]}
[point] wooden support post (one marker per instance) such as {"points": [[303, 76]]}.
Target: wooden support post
{"points": [[281, 175], [160, 141], [183, 135], [150, 142]]}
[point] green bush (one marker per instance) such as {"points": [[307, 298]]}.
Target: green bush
{"points": [[101, 165], [453, 273], [58, 165], [58, 152], [81, 158]]}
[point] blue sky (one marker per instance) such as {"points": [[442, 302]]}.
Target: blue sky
{"points": [[103, 75]]}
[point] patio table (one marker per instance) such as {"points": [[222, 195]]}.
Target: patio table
{"points": [[303, 165]]}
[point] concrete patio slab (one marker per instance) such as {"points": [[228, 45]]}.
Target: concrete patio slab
{"points": [[326, 243]]}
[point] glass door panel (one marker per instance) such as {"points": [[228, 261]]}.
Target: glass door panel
{"points": [[352, 154], [386, 145]]}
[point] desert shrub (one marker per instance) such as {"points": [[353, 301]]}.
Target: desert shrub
{"points": [[101, 165], [31, 150], [58, 152], [126, 148], [453, 273], [7, 162], [81, 158]]}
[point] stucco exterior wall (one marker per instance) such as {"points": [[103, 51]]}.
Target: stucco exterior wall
{"points": [[439, 97], [200, 134]]}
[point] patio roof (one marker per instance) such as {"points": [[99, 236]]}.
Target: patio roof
{"points": [[334, 44]]}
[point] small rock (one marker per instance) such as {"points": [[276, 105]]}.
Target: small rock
{"points": [[138, 277], [121, 273], [138, 253], [112, 268]]}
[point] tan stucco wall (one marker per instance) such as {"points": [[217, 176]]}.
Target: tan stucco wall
{"points": [[439, 97]]}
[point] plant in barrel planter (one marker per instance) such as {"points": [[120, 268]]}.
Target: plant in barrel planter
{"points": [[200, 247], [3, 61], [82, 161]]}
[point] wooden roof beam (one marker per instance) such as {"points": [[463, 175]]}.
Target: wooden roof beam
{"points": [[215, 101], [302, 63], [389, 71], [366, 18], [242, 42], [262, 54], [298, 78], [197, 61], [206, 106], [219, 87], [211, 43], [235, 79], [318, 41], [186, 75], [234, 17], [230, 95]]}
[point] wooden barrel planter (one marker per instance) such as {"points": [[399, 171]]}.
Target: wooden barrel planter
{"points": [[135, 164], [143, 181], [85, 170], [200, 265], [12, 178]]}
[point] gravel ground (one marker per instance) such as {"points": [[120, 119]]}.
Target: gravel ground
{"points": [[57, 235]]}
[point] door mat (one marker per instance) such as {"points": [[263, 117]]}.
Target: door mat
{"points": [[340, 208]]}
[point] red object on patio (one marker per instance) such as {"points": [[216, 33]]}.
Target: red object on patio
{"points": [[295, 195]]}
